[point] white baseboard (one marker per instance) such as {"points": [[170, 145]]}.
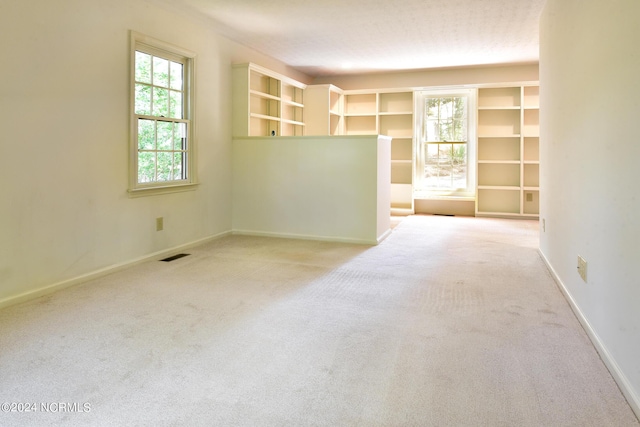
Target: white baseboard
{"points": [[384, 236], [618, 375], [29, 295], [309, 237]]}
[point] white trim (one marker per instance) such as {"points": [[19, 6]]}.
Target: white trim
{"points": [[161, 189], [384, 235], [156, 44], [618, 375], [267, 72], [312, 237], [45, 290]]}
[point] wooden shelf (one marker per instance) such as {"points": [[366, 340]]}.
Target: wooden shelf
{"points": [[293, 104], [531, 97], [396, 102], [499, 98], [499, 123], [293, 122], [498, 108], [396, 126], [360, 125], [361, 104], [498, 148], [498, 201], [531, 148], [508, 152], [264, 116], [266, 103], [404, 113], [264, 95]]}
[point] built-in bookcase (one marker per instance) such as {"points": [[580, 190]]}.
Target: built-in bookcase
{"points": [[508, 151], [387, 112], [323, 110], [266, 103], [508, 141]]}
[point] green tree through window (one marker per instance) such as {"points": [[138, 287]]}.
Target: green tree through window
{"points": [[162, 130], [162, 113], [444, 142], [443, 149]]}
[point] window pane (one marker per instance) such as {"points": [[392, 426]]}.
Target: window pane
{"points": [[459, 166], [432, 131], [444, 125], [178, 166], [431, 165], [146, 166], [160, 102], [179, 137], [460, 130], [176, 76], [160, 72], [446, 128], [432, 108], [460, 108], [143, 99], [165, 135], [160, 96], [444, 157], [175, 104], [165, 166], [446, 108], [445, 119], [146, 134], [143, 67]]}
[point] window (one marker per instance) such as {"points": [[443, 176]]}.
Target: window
{"points": [[162, 147], [446, 149]]}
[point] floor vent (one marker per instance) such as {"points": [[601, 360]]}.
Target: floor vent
{"points": [[444, 214], [172, 258]]}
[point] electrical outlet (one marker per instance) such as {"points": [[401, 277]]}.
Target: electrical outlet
{"points": [[544, 225], [160, 224], [582, 268]]}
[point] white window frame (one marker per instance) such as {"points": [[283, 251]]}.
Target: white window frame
{"points": [[144, 43], [420, 189]]}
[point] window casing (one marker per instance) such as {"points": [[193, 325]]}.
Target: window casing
{"points": [[162, 155], [445, 151]]}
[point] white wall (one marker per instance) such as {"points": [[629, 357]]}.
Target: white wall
{"points": [[64, 115], [320, 187], [590, 152], [438, 77]]}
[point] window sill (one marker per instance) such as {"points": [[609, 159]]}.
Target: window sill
{"points": [[158, 190]]}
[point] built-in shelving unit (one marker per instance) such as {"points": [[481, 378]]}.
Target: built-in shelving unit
{"points": [[323, 110], [361, 113], [508, 151], [395, 119], [387, 112], [266, 103]]}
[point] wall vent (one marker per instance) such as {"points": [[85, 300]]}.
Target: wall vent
{"points": [[172, 258]]}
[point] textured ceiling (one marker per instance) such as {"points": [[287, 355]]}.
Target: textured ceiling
{"points": [[323, 37]]}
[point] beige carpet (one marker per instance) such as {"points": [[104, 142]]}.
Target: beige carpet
{"points": [[448, 322]]}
